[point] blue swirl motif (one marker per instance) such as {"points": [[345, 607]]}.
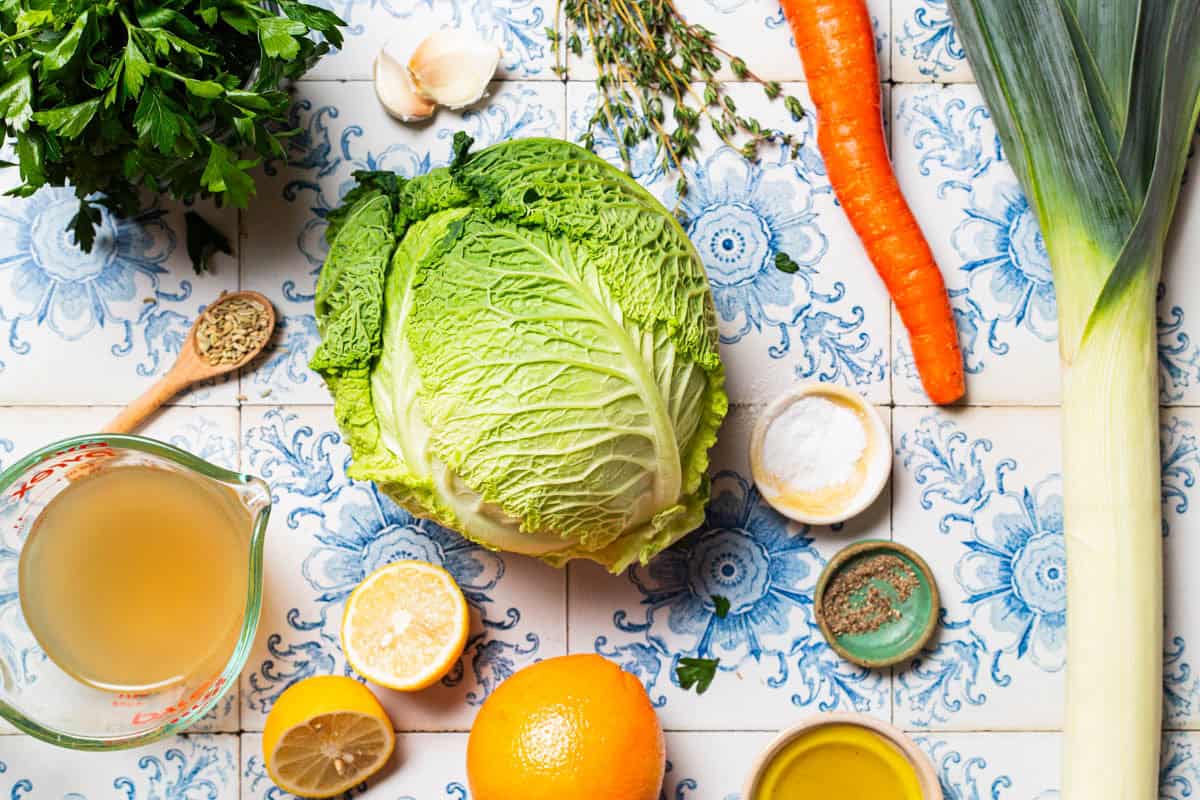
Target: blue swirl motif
{"points": [[122, 284], [1010, 287], [359, 530], [519, 25], [961, 776], [1179, 770], [740, 215], [1012, 571], [676, 788], [1178, 358], [929, 38], [1180, 464], [767, 569], [325, 149], [18, 788], [197, 768]]}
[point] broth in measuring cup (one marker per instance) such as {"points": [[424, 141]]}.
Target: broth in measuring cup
{"points": [[134, 578]]}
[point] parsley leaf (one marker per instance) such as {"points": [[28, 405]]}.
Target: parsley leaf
{"points": [[720, 606], [183, 97], [68, 120], [156, 121], [137, 68], [61, 54], [784, 263], [278, 36], [16, 94], [203, 241], [225, 174], [83, 225], [698, 672]]}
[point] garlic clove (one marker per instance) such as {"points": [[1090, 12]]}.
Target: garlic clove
{"points": [[453, 67], [395, 89]]}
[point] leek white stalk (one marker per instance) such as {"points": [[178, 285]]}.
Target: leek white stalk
{"points": [[1096, 102]]}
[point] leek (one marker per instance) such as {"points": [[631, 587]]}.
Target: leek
{"points": [[1096, 102]]}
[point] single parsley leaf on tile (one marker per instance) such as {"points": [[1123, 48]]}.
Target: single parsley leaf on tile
{"points": [[784, 263], [720, 606], [698, 672]]}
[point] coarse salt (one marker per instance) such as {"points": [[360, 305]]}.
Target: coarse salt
{"points": [[814, 444]]}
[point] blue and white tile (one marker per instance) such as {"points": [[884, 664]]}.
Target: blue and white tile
{"points": [[426, 766], [100, 327], [987, 241], [925, 44], [757, 32], [978, 493], [1180, 446], [327, 533], [344, 129], [827, 321], [210, 433], [518, 27], [774, 664], [194, 766], [1001, 766]]}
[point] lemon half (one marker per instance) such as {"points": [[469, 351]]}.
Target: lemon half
{"points": [[405, 625], [326, 735]]}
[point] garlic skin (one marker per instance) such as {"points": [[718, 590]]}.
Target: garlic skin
{"points": [[396, 92], [453, 67]]}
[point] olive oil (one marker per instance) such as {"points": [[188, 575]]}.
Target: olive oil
{"points": [[842, 761], [135, 578]]}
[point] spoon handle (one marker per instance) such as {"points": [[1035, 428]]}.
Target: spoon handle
{"points": [[136, 412]]}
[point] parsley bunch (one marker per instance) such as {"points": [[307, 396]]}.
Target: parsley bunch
{"points": [[180, 97]]}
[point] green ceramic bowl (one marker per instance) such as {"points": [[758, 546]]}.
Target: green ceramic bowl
{"points": [[895, 641]]}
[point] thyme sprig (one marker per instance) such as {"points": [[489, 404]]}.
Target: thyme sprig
{"points": [[646, 53]]}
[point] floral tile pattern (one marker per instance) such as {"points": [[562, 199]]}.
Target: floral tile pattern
{"points": [[327, 533], [774, 665], [190, 766], [925, 46], [83, 319], [976, 490], [518, 27]]}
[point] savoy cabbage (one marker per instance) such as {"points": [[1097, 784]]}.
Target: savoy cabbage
{"points": [[522, 346]]}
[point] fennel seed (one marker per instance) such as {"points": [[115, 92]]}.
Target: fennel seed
{"points": [[230, 330]]}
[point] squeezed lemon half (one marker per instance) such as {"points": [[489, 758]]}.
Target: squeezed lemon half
{"points": [[405, 625], [326, 735]]}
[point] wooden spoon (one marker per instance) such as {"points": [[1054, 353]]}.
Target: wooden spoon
{"points": [[189, 367]]}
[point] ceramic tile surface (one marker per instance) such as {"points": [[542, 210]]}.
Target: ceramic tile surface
{"points": [[975, 489]]}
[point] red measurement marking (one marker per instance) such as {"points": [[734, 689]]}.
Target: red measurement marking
{"points": [[81, 452]]}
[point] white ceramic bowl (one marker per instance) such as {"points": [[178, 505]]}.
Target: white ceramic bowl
{"points": [[878, 456], [926, 774]]}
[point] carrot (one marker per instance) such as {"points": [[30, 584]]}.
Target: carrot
{"points": [[837, 45]]}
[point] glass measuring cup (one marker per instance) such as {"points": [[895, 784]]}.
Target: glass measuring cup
{"points": [[36, 695]]}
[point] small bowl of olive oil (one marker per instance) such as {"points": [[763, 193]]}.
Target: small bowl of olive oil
{"points": [[842, 756]]}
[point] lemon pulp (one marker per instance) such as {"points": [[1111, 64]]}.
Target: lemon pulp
{"points": [[842, 761]]}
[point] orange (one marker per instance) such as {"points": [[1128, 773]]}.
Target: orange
{"points": [[567, 728]]}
